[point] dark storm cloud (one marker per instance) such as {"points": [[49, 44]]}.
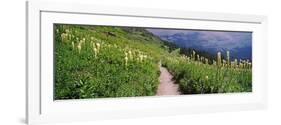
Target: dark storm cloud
{"points": [[219, 39]]}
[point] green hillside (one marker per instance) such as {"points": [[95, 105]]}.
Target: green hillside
{"points": [[105, 61]]}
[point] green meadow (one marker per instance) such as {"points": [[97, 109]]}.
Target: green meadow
{"points": [[107, 61]]}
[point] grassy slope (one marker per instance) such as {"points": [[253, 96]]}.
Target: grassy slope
{"points": [[82, 75], [87, 74]]}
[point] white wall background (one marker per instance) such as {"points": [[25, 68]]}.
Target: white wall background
{"points": [[12, 63]]}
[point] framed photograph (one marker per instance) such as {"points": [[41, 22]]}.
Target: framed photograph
{"points": [[92, 62]]}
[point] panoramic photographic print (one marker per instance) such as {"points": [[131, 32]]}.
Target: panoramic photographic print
{"points": [[112, 61]]}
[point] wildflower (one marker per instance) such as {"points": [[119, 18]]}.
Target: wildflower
{"points": [[79, 47], [214, 62], [227, 57], [232, 64], [72, 44], [98, 46], [126, 59], [247, 63], [64, 37], [95, 51], [193, 55], [141, 57], [193, 52], [235, 63], [241, 63], [130, 54], [68, 36], [206, 77], [206, 61], [219, 59], [144, 57], [83, 40], [224, 63]]}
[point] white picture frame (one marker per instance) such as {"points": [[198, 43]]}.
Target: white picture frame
{"points": [[41, 108]]}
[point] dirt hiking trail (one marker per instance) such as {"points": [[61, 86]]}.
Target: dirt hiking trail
{"points": [[167, 85]]}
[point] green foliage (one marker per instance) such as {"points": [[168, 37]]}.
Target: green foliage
{"points": [[195, 77], [101, 61], [188, 52], [88, 74]]}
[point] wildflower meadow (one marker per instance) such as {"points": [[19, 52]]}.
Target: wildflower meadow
{"points": [[108, 61]]}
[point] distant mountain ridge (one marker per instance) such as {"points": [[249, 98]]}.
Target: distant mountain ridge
{"points": [[238, 43]]}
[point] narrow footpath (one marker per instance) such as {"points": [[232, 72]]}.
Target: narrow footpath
{"points": [[167, 85]]}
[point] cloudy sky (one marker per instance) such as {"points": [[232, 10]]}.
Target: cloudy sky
{"points": [[217, 39]]}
